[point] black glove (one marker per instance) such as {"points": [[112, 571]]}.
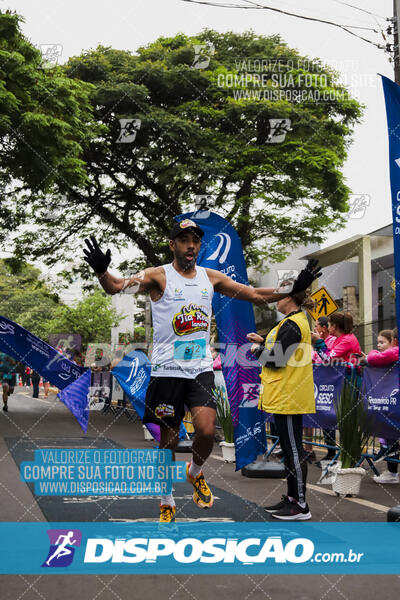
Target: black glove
{"points": [[95, 257], [306, 276]]}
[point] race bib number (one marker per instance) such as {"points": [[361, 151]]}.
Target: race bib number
{"points": [[190, 350]]}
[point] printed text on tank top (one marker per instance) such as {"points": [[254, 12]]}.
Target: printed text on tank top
{"points": [[181, 325]]}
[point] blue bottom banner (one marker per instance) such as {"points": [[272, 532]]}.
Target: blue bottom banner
{"points": [[208, 548]]}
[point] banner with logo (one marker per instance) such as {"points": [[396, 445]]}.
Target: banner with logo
{"points": [[133, 375], [381, 389], [221, 249], [202, 548], [328, 383], [25, 347], [392, 99]]}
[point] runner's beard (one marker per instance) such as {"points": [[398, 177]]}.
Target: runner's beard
{"points": [[184, 263]]}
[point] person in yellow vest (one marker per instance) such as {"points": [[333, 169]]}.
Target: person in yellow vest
{"points": [[287, 391]]}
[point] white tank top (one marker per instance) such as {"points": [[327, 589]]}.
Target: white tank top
{"points": [[181, 326]]}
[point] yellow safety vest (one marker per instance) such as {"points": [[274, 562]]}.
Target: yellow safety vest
{"points": [[289, 390]]}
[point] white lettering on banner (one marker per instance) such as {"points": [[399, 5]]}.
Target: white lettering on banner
{"points": [[6, 328], [249, 433], [393, 397], [190, 550], [379, 404], [134, 368], [137, 384], [324, 394]]}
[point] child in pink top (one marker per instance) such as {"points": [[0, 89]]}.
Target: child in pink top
{"points": [[387, 354], [388, 350], [321, 327]]}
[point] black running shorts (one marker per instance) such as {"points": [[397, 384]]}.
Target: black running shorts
{"points": [[168, 397]]}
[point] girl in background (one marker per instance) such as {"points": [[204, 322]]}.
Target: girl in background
{"points": [[386, 355], [342, 348]]}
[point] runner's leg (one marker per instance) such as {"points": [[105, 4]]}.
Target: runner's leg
{"points": [[164, 406], [169, 440], [204, 425], [5, 396], [202, 405]]}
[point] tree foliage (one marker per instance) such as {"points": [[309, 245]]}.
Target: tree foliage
{"points": [[29, 301], [92, 317], [24, 297], [195, 138]]}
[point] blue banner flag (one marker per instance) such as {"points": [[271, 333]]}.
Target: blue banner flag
{"points": [[381, 392], [221, 249], [133, 375], [25, 347], [53, 366], [75, 397], [392, 100]]}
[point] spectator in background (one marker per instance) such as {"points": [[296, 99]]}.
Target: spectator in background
{"points": [[35, 383], [388, 350], [343, 348], [217, 368], [321, 328], [21, 372], [28, 371], [386, 355], [46, 385]]}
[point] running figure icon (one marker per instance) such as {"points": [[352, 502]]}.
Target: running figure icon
{"points": [[62, 549]]}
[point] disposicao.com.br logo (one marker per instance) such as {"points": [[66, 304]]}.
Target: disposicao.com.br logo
{"points": [[216, 550]]}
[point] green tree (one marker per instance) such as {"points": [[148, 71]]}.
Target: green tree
{"points": [[195, 138], [92, 317], [43, 124], [24, 297]]}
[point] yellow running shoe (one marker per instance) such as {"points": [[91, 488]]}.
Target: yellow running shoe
{"points": [[167, 513], [202, 495]]}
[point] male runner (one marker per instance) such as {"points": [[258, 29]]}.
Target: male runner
{"points": [[181, 296], [8, 378]]}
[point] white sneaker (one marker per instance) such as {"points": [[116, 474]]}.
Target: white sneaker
{"points": [[387, 477]]}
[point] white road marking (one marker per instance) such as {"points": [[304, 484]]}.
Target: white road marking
{"points": [[183, 520], [361, 501], [87, 499], [217, 457], [29, 396]]}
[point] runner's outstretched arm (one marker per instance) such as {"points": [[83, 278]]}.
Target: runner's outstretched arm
{"points": [[228, 287], [100, 261]]}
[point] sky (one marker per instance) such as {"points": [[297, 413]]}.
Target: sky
{"points": [[129, 24]]}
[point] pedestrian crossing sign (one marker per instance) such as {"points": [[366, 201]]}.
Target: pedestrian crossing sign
{"points": [[324, 304]]}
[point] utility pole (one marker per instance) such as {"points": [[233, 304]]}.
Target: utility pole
{"points": [[396, 29]]}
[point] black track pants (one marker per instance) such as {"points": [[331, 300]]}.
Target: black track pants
{"points": [[290, 431]]}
